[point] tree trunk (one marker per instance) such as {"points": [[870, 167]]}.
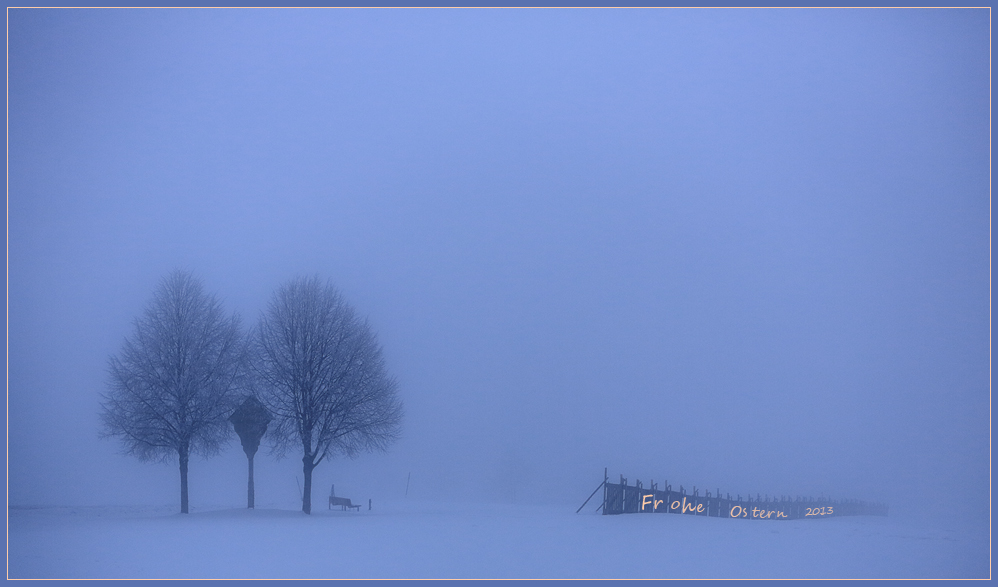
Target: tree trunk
{"points": [[249, 487], [306, 502], [184, 457]]}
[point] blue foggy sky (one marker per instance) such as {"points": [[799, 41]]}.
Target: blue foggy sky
{"points": [[743, 248]]}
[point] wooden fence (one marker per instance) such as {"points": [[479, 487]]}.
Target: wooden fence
{"points": [[621, 498]]}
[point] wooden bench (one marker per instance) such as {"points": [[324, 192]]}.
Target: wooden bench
{"points": [[343, 501]]}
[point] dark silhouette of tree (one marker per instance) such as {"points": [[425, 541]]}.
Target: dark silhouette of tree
{"points": [[323, 378], [250, 422], [175, 380]]}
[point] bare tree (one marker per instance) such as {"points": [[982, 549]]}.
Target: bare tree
{"points": [[323, 377], [174, 382]]}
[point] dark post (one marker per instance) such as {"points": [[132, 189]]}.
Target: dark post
{"points": [[250, 421], [605, 479]]}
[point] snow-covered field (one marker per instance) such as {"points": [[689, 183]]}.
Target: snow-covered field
{"points": [[412, 539]]}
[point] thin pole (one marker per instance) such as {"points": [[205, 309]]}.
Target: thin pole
{"points": [[407, 477]]}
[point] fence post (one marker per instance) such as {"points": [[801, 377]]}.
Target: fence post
{"points": [[605, 479]]}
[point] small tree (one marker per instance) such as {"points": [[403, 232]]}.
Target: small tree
{"points": [[174, 382], [323, 377], [250, 422]]}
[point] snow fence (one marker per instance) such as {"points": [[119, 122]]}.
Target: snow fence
{"points": [[621, 498]]}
